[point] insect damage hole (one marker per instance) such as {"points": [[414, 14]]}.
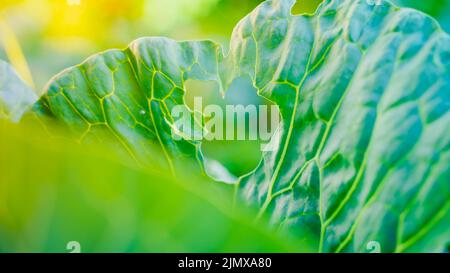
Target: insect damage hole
{"points": [[235, 126]]}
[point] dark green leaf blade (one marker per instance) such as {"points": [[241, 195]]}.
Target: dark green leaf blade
{"points": [[364, 96]]}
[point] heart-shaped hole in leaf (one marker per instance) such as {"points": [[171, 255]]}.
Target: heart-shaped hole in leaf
{"points": [[245, 121]]}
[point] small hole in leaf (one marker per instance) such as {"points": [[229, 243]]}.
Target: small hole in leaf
{"points": [[305, 7], [239, 156]]}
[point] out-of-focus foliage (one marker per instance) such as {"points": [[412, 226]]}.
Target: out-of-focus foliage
{"points": [[54, 191], [15, 96]]}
